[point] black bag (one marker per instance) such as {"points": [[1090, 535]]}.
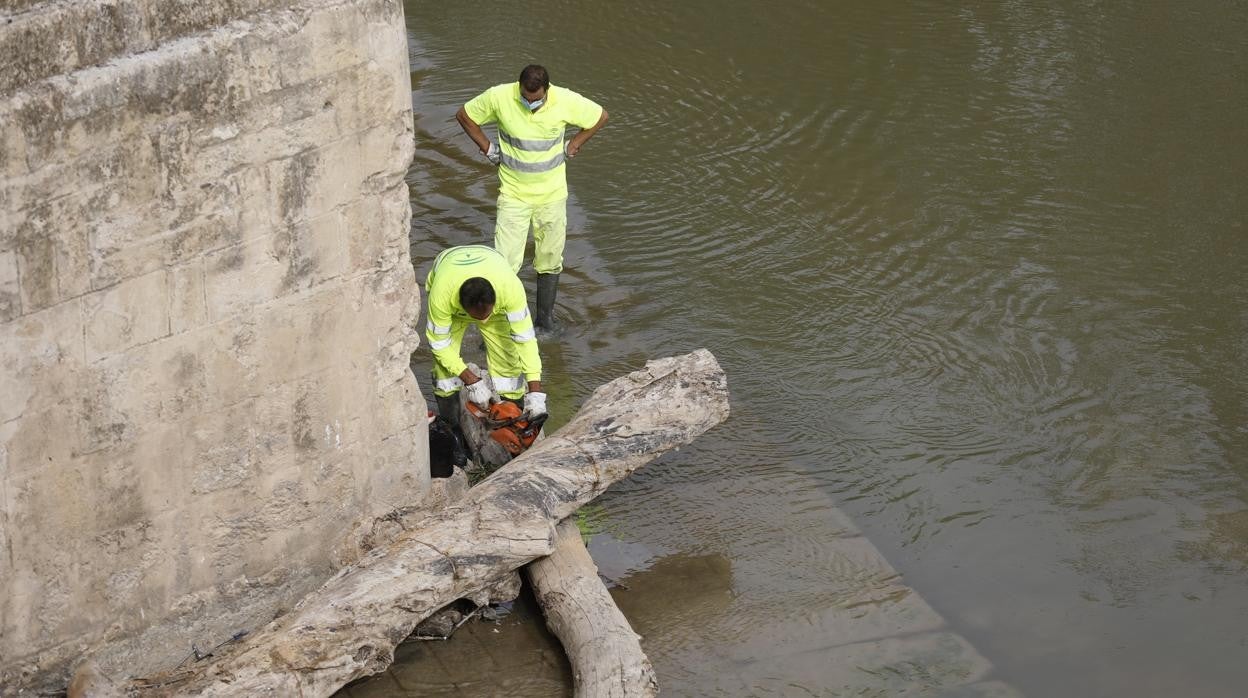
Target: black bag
{"points": [[446, 449]]}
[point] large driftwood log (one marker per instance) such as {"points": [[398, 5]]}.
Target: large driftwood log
{"points": [[349, 627], [606, 657]]}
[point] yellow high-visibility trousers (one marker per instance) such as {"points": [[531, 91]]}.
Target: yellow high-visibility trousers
{"points": [[549, 223]]}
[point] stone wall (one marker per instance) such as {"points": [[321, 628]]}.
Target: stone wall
{"points": [[206, 313]]}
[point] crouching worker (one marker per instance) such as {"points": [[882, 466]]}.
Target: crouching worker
{"points": [[475, 284]]}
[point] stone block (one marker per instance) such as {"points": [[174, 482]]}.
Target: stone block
{"points": [[314, 425], [64, 37], [393, 477], [140, 242], [292, 181], [347, 29], [366, 232], [41, 441], [41, 358], [52, 248], [10, 287], [163, 466], [220, 448], [395, 258], [317, 251], [12, 147], [300, 114], [170, 19], [161, 382], [72, 259], [188, 306], [204, 77], [250, 187], [105, 420], [34, 49], [142, 577], [368, 104], [278, 60], [260, 50], [116, 483], [131, 313], [231, 356], [343, 398], [342, 182], [386, 151], [36, 260], [38, 114], [406, 413], [283, 350], [53, 184], [243, 277], [41, 590]]}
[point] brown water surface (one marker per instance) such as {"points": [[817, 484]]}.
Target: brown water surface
{"points": [[978, 274]]}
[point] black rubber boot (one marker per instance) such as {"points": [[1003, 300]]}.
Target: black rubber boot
{"points": [[547, 287], [448, 409]]}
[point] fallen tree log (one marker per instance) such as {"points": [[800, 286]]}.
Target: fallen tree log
{"points": [[606, 657], [349, 627]]}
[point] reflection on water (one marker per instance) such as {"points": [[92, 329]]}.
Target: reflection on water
{"points": [[976, 275]]}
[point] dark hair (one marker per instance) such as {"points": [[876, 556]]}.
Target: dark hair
{"points": [[476, 293], [534, 77]]}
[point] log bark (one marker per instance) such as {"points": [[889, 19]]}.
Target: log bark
{"points": [[605, 653], [350, 626]]}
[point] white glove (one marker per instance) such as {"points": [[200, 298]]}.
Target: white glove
{"points": [[479, 394], [493, 154], [534, 405]]}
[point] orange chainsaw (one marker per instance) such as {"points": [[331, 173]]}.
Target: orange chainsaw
{"points": [[507, 425]]}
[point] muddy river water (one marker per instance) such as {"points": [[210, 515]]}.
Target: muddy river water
{"points": [[978, 274]]}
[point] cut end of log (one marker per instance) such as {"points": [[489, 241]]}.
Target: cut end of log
{"points": [[605, 653]]}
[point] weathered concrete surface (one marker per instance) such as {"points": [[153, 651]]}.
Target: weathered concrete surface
{"points": [[206, 311]]}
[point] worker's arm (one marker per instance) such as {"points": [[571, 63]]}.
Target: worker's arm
{"points": [[574, 145], [438, 334], [474, 130]]}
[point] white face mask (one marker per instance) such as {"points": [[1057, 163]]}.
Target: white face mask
{"points": [[534, 104]]}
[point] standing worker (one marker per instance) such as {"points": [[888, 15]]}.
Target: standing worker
{"points": [[532, 115], [474, 284]]}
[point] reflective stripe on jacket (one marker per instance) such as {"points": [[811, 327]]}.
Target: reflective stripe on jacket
{"points": [[450, 270], [532, 143]]}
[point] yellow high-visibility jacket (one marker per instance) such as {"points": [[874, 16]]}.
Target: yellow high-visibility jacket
{"points": [[450, 270], [531, 142]]}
